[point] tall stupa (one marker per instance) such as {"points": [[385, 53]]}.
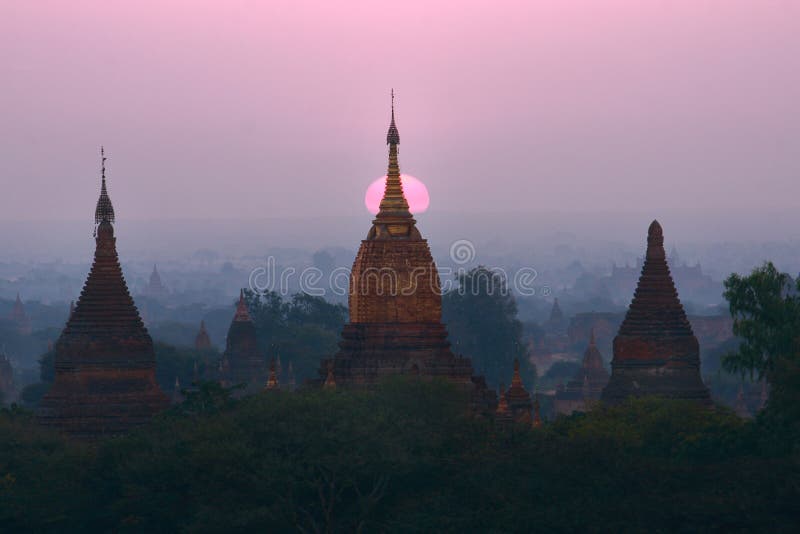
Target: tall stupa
{"points": [[105, 368], [395, 301]]}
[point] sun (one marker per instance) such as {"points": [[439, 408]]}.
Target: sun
{"points": [[415, 191]]}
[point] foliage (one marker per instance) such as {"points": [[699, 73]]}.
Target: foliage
{"points": [[180, 362], [301, 331], [766, 315], [765, 306], [406, 457], [481, 318]]}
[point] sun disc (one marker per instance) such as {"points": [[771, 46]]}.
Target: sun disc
{"points": [[415, 191]]}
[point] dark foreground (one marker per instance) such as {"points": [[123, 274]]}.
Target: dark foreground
{"points": [[404, 459]]}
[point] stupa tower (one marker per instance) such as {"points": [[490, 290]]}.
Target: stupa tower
{"points": [[105, 380], [202, 341], [655, 351], [395, 300], [20, 318], [242, 362]]}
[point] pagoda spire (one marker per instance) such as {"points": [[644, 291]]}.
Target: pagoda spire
{"points": [[104, 212], [242, 313], [272, 381], [394, 203], [516, 379], [537, 417]]}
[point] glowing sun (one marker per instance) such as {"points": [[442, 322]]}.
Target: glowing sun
{"points": [[415, 191]]}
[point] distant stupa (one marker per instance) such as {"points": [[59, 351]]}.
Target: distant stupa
{"points": [[155, 288], [587, 384], [20, 319], [202, 341], [518, 398], [105, 381], [395, 301], [242, 363], [655, 351]]}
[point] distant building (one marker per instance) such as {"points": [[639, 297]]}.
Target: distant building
{"points": [[105, 380], [202, 341], [20, 319], [587, 384], [155, 288], [655, 351], [517, 398], [242, 362], [557, 323]]}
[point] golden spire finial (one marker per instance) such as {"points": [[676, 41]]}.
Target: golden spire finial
{"points": [[104, 212], [393, 203], [516, 380]]}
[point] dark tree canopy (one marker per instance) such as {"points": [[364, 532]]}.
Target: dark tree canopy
{"points": [[404, 458], [765, 306], [481, 318], [301, 331]]}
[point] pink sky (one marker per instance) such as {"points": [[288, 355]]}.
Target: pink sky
{"points": [[228, 109]]}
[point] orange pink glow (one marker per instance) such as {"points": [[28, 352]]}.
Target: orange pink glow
{"points": [[415, 191]]}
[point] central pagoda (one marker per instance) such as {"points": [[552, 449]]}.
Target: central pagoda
{"points": [[105, 381], [395, 300]]}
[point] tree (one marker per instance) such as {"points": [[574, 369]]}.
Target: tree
{"points": [[301, 331], [765, 306], [766, 315], [481, 317]]}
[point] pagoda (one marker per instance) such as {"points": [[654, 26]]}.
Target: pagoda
{"points": [[518, 398], [20, 319], [202, 341], [655, 351], [105, 379], [242, 363], [556, 323], [155, 288], [395, 301], [587, 384]]}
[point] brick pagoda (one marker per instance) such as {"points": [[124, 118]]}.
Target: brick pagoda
{"points": [[202, 341], [242, 363], [655, 351], [587, 384], [105, 380], [395, 301]]}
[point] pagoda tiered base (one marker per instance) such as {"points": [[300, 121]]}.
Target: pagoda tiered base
{"points": [[371, 351]]}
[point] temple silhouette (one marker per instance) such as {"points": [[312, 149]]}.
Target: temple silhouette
{"points": [[105, 381], [242, 363], [655, 351]]}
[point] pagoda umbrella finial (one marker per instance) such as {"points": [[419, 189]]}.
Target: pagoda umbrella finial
{"points": [[394, 203], [104, 212]]}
